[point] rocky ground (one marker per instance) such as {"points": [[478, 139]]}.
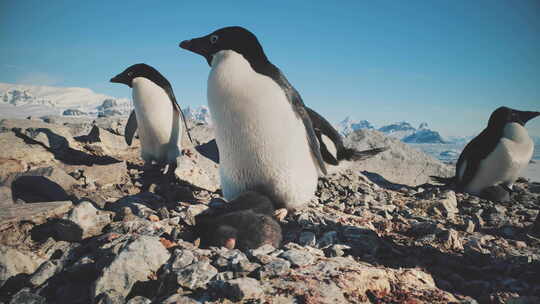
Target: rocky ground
{"points": [[82, 222]]}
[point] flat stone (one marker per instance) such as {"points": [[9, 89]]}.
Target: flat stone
{"points": [[14, 262], [36, 212], [45, 272], [90, 219], [105, 175], [196, 275], [135, 263], [298, 257], [243, 289]]}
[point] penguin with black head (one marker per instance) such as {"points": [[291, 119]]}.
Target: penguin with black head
{"points": [[266, 139], [160, 122], [494, 159]]}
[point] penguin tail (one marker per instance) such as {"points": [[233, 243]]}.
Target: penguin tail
{"points": [[442, 180], [355, 155]]}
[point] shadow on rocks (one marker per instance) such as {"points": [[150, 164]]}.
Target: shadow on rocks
{"points": [[36, 189], [59, 147]]}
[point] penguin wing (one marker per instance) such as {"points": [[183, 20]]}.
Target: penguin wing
{"points": [[168, 89], [323, 127], [131, 127], [299, 108], [471, 156]]}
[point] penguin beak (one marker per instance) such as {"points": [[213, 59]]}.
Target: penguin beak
{"points": [[199, 46], [522, 117], [121, 79]]}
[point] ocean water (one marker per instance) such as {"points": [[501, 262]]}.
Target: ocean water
{"points": [[449, 153]]}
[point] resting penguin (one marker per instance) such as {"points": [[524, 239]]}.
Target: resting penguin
{"points": [[157, 115], [264, 133], [496, 156], [246, 222]]}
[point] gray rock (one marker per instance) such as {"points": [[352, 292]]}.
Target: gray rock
{"points": [[243, 289], [20, 154], [180, 299], [401, 164], [275, 267], [264, 249], [110, 297], [142, 204], [103, 176], [139, 300], [135, 262], [90, 219], [298, 258], [448, 203], [14, 262], [25, 296], [182, 258], [44, 272], [37, 213], [191, 170], [196, 275]]}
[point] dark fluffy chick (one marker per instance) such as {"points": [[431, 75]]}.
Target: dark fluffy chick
{"points": [[245, 223]]}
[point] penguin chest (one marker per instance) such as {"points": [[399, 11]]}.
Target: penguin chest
{"points": [[158, 123], [511, 155], [262, 142]]}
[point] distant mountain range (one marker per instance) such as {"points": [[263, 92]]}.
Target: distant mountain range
{"points": [[403, 131]]}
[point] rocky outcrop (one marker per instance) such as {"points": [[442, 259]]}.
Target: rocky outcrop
{"points": [[401, 164]]}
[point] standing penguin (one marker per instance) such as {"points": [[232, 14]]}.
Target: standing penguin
{"points": [[157, 115], [265, 136], [496, 156]]}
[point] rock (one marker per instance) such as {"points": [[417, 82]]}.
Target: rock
{"points": [[136, 261], [179, 299], [189, 170], [298, 258], [36, 213], [264, 249], [452, 240], [275, 267], [243, 289], [5, 196], [102, 176], [400, 164], [110, 297], [25, 296], [89, 219], [139, 300], [58, 229], [182, 258], [196, 275], [142, 204], [448, 203], [37, 189], [44, 272], [14, 262], [20, 151], [104, 141]]}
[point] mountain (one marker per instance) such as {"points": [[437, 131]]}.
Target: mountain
{"points": [[398, 130], [17, 100], [424, 135], [348, 125], [199, 114]]}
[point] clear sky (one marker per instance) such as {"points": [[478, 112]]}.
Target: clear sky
{"points": [[449, 63]]}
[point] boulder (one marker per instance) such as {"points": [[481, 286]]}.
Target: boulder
{"points": [[14, 262], [136, 262]]}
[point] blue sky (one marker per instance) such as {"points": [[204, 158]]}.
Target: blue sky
{"points": [[449, 63]]}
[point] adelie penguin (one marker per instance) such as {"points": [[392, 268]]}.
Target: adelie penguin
{"points": [[160, 122], [266, 139], [495, 158]]}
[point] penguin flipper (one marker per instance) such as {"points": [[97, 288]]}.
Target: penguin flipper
{"points": [[131, 127], [355, 155]]}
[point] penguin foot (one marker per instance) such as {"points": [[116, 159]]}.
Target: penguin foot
{"points": [[280, 214]]}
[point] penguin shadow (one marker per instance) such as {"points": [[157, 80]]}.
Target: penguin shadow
{"points": [[37, 189], [59, 147], [384, 183]]}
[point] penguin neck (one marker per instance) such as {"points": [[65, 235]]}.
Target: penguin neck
{"points": [[515, 132]]}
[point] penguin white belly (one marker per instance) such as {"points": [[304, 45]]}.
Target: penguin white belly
{"points": [[159, 125], [262, 142], [511, 155]]}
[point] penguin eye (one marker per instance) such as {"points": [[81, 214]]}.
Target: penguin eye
{"points": [[130, 74], [214, 39]]}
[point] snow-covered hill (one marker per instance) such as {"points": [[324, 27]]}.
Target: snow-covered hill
{"points": [[18, 100], [200, 114]]}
